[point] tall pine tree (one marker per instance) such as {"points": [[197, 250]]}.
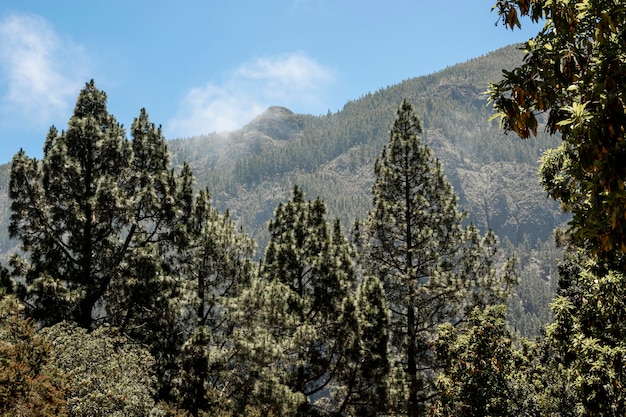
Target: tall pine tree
{"points": [[216, 259], [94, 217], [311, 264], [432, 268]]}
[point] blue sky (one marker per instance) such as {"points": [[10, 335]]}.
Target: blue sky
{"points": [[200, 66]]}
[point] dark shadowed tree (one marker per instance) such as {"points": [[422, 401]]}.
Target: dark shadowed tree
{"points": [[216, 259], [362, 388]]}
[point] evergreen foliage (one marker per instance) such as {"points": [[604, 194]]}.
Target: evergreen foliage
{"points": [[478, 159], [494, 177], [216, 261], [433, 269], [314, 265], [333, 154], [312, 337], [151, 305], [93, 217], [261, 347], [573, 72], [363, 383]]}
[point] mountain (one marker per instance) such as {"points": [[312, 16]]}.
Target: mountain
{"points": [[251, 170]]}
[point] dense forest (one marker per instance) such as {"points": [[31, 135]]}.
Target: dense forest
{"points": [[150, 301], [397, 257], [178, 313], [252, 170]]}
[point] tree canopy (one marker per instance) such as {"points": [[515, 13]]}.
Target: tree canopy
{"points": [[94, 217], [149, 300], [433, 269], [573, 73], [573, 79]]}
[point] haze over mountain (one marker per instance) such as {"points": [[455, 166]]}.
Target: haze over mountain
{"points": [[251, 169]]}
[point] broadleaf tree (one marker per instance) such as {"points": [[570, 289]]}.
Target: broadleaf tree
{"points": [[108, 374], [479, 374], [27, 386], [433, 269], [587, 335], [573, 73]]}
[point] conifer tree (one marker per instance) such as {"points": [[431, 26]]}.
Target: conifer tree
{"points": [[145, 301], [363, 382], [314, 267], [216, 260], [432, 268], [261, 347], [93, 217]]}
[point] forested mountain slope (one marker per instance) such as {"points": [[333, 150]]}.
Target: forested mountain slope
{"points": [[251, 170]]}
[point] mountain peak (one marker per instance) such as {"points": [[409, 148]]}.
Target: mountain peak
{"points": [[278, 123]]}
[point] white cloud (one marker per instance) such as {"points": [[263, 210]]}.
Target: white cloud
{"points": [[41, 72], [294, 81]]}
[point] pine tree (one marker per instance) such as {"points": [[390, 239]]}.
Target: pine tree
{"points": [[93, 218], [216, 260], [260, 351], [313, 266], [144, 303], [363, 381], [433, 269]]}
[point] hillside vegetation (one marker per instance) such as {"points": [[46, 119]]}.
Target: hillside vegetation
{"points": [[323, 265], [251, 170]]}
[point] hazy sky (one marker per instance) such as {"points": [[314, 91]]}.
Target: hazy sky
{"points": [[200, 66]]}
